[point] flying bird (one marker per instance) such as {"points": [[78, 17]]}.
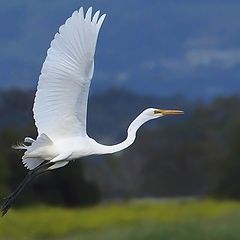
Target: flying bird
{"points": [[60, 105]]}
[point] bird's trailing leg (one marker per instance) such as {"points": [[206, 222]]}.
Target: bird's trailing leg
{"points": [[30, 176]]}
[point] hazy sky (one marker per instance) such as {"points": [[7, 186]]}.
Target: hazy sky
{"points": [[150, 47]]}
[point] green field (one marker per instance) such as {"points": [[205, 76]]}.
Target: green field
{"points": [[135, 220]]}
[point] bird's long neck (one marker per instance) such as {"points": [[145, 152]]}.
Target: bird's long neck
{"points": [[132, 130]]}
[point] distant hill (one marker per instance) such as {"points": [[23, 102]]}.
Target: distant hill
{"points": [[157, 48], [109, 113]]}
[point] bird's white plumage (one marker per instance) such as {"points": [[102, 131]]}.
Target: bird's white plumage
{"points": [[60, 104]]}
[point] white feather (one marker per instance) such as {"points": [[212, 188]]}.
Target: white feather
{"points": [[61, 100], [60, 105], [31, 163]]}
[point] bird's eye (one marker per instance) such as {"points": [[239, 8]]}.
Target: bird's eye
{"points": [[157, 111]]}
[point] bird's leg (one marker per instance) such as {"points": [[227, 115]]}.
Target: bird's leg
{"points": [[30, 176]]}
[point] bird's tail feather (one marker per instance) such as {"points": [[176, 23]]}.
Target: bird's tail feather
{"points": [[20, 146], [30, 176], [23, 146]]}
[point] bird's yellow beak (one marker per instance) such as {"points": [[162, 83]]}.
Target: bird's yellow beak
{"points": [[168, 112]]}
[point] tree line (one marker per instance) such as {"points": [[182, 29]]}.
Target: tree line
{"points": [[197, 155]]}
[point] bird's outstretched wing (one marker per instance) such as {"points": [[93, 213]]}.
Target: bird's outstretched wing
{"points": [[60, 104]]}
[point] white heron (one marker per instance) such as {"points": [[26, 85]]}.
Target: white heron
{"points": [[60, 105]]}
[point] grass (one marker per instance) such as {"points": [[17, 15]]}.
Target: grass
{"points": [[134, 220]]}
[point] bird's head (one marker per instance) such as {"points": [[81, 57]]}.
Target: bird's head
{"points": [[153, 113]]}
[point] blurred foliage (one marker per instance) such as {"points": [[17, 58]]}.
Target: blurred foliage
{"points": [[198, 156], [195, 154], [145, 219]]}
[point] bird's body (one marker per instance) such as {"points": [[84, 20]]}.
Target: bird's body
{"points": [[60, 105], [75, 147]]}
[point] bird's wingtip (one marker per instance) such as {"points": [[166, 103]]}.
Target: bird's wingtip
{"points": [[101, 19]]}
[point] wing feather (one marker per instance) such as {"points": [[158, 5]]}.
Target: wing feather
{"points": [[60, 104]]}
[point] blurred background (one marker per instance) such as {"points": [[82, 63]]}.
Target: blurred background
{"points": [[180, 179]]}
